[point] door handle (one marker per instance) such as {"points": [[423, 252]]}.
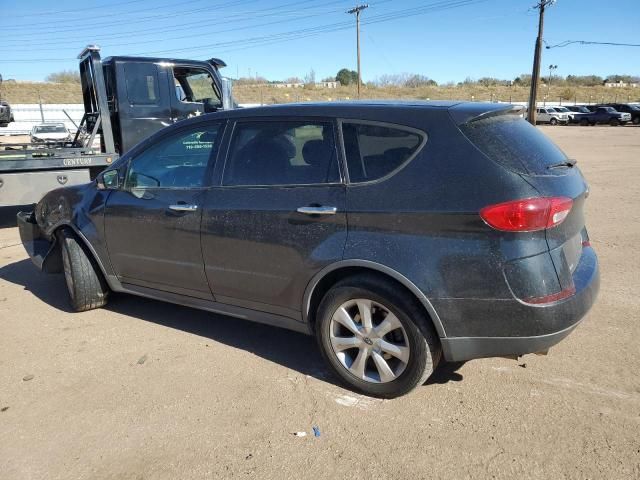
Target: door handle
{"points": [[183, 208], [317, 210]]}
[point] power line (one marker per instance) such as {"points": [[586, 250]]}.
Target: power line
{"points": [[585, 42], [148, 18], [240, 17], [292, 35], [109, 5]]}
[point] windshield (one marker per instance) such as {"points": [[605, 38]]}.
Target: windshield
{"points": [[609, 109], [50, 129], [561, 109]]}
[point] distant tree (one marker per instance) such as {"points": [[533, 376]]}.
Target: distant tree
{"points": [[310, 78], [523, 80], [251, 81], [329, 79], [410, 80], [347, 77], [293, 80], [64, 76]]}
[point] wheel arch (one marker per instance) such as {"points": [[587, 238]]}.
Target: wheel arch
{"points": [[55, 249], [328, 276]]}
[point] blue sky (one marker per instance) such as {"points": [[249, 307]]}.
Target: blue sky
{"points": [[282, 38]]}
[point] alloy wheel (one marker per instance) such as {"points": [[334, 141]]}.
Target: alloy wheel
{"points": [[369, 341]]}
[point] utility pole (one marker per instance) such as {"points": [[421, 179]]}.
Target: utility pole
{"points": [[535, 74], [357, 11]]}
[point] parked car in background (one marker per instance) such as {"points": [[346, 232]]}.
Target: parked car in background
{"points": [[575, 112], [605, 115], [631, 109], [551, 116], [50, 134], [396, 233], [6, 115], [561, 109]]}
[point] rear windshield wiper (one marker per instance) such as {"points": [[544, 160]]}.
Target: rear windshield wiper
{"points": [[569, 163]]}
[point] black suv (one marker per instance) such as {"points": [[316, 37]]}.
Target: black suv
{"points": [[396, 233], [632, 109]]}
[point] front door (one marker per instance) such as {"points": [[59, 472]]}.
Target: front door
{"points": [[152, 224], [278, 216]]}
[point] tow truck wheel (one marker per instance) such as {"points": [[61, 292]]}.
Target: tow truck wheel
{"points": [[86, 285]]}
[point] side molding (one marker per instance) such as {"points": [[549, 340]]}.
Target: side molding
{"points": [[379, 268]]}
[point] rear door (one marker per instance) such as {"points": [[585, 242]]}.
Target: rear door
{"points": [[152, 224], [278, 216]]}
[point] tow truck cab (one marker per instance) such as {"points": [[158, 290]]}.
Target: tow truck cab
{"points": [[146, 94]]}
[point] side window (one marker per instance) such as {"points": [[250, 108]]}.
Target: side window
{"points": [[374, 151], [282, 153], [178, 161], [195, 85], [142, 83]]}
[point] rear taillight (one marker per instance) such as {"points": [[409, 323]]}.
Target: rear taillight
{"points": [[527, 215]]}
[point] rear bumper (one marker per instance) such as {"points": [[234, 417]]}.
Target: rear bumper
{"points": [[539, 326], [37, 246]]}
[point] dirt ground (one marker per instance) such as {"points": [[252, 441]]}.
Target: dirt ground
{"points": [[147, 390]]}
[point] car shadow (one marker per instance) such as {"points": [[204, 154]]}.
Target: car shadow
{"points": [[290, 349]]}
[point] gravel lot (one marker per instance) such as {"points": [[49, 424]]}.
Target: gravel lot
{"points": [[143, 389]]}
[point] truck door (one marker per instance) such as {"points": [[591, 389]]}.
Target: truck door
{"points": [[143, 101], [195, 92]]}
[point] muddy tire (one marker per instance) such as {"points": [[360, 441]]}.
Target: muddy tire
{"points": [[85, 283], [376, 337]]}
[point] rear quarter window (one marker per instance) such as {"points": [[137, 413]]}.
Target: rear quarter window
{"points": [[514, 143], [374, 151]]}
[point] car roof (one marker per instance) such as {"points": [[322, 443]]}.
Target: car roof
{"points": [[460, 111]]}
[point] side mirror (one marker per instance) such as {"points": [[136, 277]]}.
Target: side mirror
{"points": [[109, 180]]}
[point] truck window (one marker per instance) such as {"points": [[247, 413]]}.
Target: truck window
{"points": [[196, 86], [142, 83]]}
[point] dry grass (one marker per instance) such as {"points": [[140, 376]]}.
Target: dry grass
{"points": [[22, 92]]}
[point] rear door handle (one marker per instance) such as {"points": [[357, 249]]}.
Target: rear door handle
{"points": [[183, 207], [318, 210]]}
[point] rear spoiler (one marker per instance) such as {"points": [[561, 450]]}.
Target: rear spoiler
{"points": [[463, 113]]}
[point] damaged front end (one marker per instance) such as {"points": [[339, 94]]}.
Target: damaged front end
{"points": [[42, 250]]}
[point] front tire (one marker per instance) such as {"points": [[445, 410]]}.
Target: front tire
{"points": [[85, 283], [553, 121], [375, 337], [614, 123]]}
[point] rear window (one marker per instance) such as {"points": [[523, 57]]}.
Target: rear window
{"points": [[513, 142]]}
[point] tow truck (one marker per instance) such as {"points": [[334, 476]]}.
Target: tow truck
{"points": [[126, 99]]}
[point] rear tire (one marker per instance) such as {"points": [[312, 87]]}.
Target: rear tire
{"points": [[397, 358], [636, 120], [85, 283]]}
